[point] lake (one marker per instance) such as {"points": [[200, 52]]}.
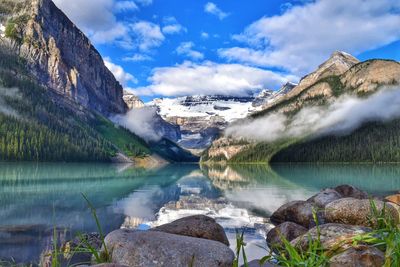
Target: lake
{"points": [[36, 198]]}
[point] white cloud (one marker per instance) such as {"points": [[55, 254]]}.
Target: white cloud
{"points": [[90, 15], [141, 122], [138, 57], [204, 35], [147, 35], [186, 49], [172, 26], [303, 36], [122, 6], [340, 117], [123, 77], [212, 8], [97, 18], [173, 29], [210, 78]]}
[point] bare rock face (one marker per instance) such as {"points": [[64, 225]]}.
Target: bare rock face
{"points": [[62, 58], [287, 230], [356, 211], [337, 64], [325, 197], [199, 226], [300, 212], [225, 148], [360, 256], [153, 249], [132, 101], [368, 76], [331, 235]]}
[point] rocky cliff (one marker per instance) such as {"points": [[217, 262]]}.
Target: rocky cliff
{"points": [[132, 101], [59, 55]]}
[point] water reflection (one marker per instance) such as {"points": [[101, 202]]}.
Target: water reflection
{"points": [[36, 197]]}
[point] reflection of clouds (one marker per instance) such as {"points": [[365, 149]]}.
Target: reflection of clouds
{"points": [[267, 199], [139, 204]]}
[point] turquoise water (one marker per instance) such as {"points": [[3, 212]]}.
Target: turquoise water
{"points": [[35, 198]]}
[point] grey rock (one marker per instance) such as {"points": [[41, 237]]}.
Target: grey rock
{"points": [[153, 248], [331, 234], [360, 256], [355, 211], [300, 212], [351, 191], [199, 226], [325, 197], [287, 230], [76, 71]]}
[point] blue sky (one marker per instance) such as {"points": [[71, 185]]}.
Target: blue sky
{"points": [[236, 47]]}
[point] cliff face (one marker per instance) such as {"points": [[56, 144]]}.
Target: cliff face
{"points": [[62, 58]]}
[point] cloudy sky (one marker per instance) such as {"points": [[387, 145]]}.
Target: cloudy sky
{"points": [[185, 47]]}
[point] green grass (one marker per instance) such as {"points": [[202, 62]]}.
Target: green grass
{"points": [[84, 246]]}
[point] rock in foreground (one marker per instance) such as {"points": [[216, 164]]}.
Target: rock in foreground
{"points": [[287, 230], [300, 212], [360, 256], [199, 226], [331, 235], [356, 211], [156, 249]]}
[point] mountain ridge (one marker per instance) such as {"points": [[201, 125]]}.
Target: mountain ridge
{"points": [[360, 80]]}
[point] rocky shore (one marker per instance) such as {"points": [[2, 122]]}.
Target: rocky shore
{"points": [[334, 217]]}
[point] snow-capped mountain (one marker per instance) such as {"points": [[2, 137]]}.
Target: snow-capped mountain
{"points": [[201, 118], [228, 108]]}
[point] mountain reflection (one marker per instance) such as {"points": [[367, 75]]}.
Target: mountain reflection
{"points": [[34, 198]]}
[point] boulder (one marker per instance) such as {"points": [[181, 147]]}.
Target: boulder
{"points": [[351, 191], [355, 211], [154, 248], [331, 235], [360, 256], [325, 197], [199, 226], [300, 212], [287, 230], [393, 199]]}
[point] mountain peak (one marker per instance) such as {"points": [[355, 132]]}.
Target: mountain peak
{"points": [[340, 58]]}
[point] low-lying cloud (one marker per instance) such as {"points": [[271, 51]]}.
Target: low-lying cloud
{"points": [[141, 122], [8, 93], [343, 116]]}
